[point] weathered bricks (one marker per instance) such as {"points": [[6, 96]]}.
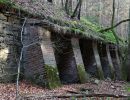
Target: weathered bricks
{"points": [[38, 58]]}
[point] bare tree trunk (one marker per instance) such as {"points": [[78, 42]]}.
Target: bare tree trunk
{"points": [[19, 63], [66, 7], [62, 3], [77, 10], [128, 56]]}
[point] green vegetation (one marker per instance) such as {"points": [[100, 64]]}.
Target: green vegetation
{"points": [[87, 29], [82, 74], [52, 77], [127, 87], [107, 36], [5, 1]]}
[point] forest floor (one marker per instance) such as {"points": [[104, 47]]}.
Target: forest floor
{"points": [[28, 90]]}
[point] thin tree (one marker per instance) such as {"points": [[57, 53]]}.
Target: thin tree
{"points": [[128, 55], [77, 10], [79, 13], [68, 6]]}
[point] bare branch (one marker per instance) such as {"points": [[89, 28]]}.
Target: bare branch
{"points": [[19, 63], [107, 29]]}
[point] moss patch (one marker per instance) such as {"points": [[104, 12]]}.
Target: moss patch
{"points": [[87, 29], [52, 76], [127, 87], [5, 1], [82, 74]]}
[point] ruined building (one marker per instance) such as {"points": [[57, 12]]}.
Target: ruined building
{"points": [[54, 48]]}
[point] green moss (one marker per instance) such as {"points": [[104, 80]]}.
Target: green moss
{"points": [[107, 36], [87, 29], [52, 76], [82, 74], [4, 1], [127, 87], [9, 4], [100, 73], [124, 72]]}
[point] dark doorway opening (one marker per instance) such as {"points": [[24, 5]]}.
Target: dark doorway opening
{"points": [[104, 60], [117, 70], [88, 57], [65, 59]]}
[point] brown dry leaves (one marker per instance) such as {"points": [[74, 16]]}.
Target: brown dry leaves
{"points": [[8, 91]]}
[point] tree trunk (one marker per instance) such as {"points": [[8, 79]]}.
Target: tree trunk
{"points": [[66, 7], [79, 9], [76, 9], [128, 56]]}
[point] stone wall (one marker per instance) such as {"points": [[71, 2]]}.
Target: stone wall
{"points": [[38, 57], [9, 49], [33, 62]]}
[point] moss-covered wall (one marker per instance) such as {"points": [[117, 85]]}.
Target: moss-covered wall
{"points": [[52, 77]]}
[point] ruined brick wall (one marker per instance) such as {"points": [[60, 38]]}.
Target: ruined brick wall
{"points": [[9, 49], [33, 62], [38, 56]]}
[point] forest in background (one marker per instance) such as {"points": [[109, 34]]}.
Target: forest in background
{"points": [[100, 11]]}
